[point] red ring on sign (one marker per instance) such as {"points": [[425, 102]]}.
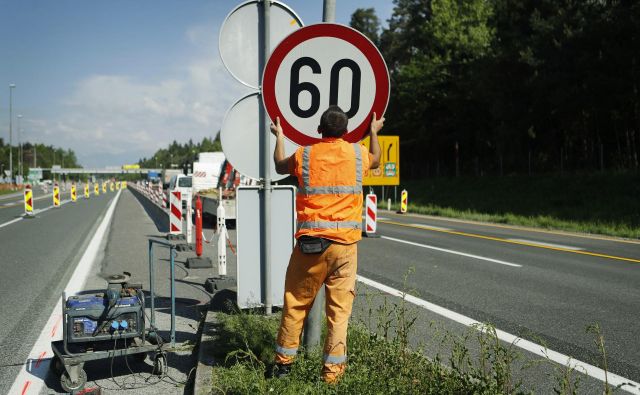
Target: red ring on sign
{"points": [[342, 32]]}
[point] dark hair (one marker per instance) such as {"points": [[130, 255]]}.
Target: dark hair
{"points": [[333, 122]]}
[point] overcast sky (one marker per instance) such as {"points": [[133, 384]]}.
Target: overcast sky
{"points": [[115, 80]]}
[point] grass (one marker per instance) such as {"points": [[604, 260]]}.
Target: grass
{"points": [[606, 204], [381, 358], [5, 190]]}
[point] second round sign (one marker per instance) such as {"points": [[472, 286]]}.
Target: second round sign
{"points": [[321, 65]]}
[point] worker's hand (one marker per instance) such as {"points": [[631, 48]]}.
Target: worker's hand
{"points": [[276, 129], [376, 124]]}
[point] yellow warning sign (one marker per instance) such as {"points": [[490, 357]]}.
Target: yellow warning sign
{"points": [[28, 201], [104, 187], [74, 196], [111, 186], [86, 191], [96, 189], [388, 173], [56, 196]]}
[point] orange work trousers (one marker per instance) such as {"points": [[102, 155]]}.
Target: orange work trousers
{"points": [[336, 267]]}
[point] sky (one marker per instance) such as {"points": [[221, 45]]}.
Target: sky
{"points": [[115, 80]]}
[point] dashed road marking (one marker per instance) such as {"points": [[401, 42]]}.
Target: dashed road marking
{"points": [[482, 258]]}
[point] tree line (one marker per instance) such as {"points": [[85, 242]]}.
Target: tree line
{"points": [[180, 156], [511, 86], [36, 155]]}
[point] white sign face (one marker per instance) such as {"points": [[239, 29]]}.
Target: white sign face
{"points": [[239, 137], [322, 65], [240, 42]]}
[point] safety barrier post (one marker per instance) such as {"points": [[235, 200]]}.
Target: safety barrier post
{"points": [[189, 231], [111, 186], [199, 261], [403, 201], [28, 201], [175, 214], [371, 215], [222, 237], [56, 195], [87, 195], [74, 196]]}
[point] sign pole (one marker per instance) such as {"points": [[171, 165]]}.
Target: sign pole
{"points": [[313, 324], [265, 148]]}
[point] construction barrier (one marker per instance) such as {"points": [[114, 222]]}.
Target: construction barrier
{"points": [[175, 214], [117, 185], [222, 238], [28, 201], [371, 214], [96, 189], [87, 195], [111, 186], [74, 196], [198, 226], [56, 195], [403, 201], [104, 187]]}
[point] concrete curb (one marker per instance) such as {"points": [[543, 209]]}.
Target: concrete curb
{"points": [[203, 380]]}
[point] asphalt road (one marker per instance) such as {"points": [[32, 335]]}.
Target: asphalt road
{"points": [[38, 257], [543, 286]]}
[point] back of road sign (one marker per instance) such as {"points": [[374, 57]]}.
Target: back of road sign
{"points": [[239, 40], [250, 291]]}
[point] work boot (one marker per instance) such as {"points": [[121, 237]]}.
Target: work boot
{"points": [[281, 371]]}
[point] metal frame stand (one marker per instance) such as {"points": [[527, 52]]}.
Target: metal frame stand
{"points": [[69, 366]]}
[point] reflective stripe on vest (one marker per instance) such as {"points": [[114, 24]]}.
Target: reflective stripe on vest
{"points": [[306, 189], [329, 225]]}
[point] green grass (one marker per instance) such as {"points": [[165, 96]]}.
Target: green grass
{"points": [[607, 204], [382, 359]]}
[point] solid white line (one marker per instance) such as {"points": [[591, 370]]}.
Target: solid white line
{"points": [[429, 227], [540, 243], [452, 252], [527, 345], [31, 378], [13, 221]]}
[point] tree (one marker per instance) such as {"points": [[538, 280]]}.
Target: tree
{"points": [[366, 22]]}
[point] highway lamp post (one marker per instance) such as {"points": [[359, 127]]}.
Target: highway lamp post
{"points": [[20, 172], [11, 88]]}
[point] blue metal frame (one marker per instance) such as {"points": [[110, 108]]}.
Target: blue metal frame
{"points": [[172, 254]]}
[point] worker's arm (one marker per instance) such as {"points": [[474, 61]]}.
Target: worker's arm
{"points": [[374, 145], [278, 154]]}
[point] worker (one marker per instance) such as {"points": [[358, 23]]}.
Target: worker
{"points": [[329, 225]]}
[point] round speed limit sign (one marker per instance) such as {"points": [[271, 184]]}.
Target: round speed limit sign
{"points": [[322, 65]]}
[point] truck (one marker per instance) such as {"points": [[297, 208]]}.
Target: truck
{"points": [[167, 175], [215, 180]]}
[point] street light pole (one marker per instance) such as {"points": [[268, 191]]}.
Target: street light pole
{"points": [[11, 87], [20, 172]]}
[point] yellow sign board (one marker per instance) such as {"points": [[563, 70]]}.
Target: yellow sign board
{"points": [[388, 173], [130, 167]]}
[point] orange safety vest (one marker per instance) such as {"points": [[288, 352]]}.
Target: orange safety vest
{"points": [[329, 198]]}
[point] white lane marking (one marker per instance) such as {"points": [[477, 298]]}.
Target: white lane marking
{"points": [[482, 258], [429, 227], [31, 378], [540, 243], [13, 221], [527, 345]]}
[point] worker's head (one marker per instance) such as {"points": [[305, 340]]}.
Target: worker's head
{"points": [[333, 122]]}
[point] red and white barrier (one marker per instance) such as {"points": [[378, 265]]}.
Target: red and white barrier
{"points": [[175, 213], [371, 216]]}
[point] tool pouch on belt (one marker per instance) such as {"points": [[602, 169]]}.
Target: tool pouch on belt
{"points": [[313, 245]]}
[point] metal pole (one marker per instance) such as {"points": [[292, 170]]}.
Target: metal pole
{"points": [[151, 285], [19, 146], [266, 166], [11, 87], [313, 322], [172, 253]]}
